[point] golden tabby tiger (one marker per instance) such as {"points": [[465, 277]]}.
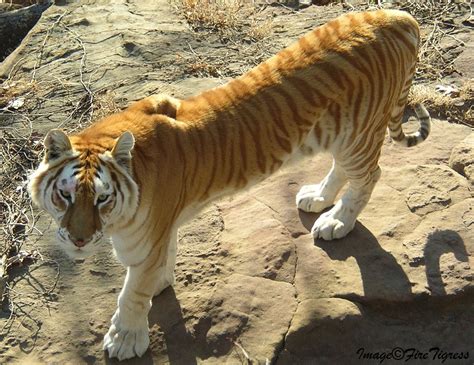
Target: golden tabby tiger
{"points": [[137, 175]]}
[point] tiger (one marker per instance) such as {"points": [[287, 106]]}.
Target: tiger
{"points": [[137, 175]]}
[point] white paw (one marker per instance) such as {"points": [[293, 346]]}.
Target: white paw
{"points": [[330, 226], [311, 199], [124, 343]]}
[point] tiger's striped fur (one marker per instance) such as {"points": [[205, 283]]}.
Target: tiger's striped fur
{"points": [[337, 89]]}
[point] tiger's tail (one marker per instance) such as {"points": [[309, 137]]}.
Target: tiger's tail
{"points": [[396, 120], [412, 139]]}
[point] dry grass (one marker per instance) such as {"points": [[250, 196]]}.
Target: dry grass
{"points": [[201, 68], [260, 29], [18, 154], [456, 107], [104, 104], [209, 15], [11, 90], [436, 18], [241, 23], [232, 20], [430, 11]]}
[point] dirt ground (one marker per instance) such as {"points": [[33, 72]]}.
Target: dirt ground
{"points": [[247, 292]]}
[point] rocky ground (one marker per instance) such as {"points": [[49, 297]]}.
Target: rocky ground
{"points": [[252, 284]]}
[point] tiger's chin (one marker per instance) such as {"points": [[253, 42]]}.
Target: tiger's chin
{"points": [[77, 253]]}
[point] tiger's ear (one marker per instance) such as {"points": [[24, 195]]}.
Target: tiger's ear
{"points": [[57, 144], [123, 148]]}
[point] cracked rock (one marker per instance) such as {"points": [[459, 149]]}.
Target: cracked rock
{"points": [[462, 158]]}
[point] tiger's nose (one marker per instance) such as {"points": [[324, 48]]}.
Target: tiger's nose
{"points": [[79, 242]]}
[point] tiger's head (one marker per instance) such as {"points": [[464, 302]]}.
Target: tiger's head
{"points": [[86, 187]]}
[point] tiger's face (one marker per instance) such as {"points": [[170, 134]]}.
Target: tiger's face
{"points": [[86, 189]]}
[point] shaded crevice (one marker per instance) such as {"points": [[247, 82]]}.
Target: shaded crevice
{"points": [[271, 208], [282, 346]]}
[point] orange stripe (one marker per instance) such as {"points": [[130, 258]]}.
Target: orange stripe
{"points": [[277, 113], [317, 133], [303, 88], [305, 46], [232, 164], [335, 111], [211, 147], [242, 147], [253, 122], [276, 118], [403, 40]]}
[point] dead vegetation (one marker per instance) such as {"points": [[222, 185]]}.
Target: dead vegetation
{"points": [[242, 26], [447, 102], [441, 22], [233, 20], [15, 90], [104, 104], [18, 154]]}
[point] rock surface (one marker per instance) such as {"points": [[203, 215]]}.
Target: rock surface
{"points": [[252, 284], [462, 158]]}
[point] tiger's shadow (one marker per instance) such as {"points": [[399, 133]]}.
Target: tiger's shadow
{"points": [[382, 276]]}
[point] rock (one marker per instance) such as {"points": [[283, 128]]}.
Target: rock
{"points": [[259, 247], [14, 25], [434, 188], [462, 158], [322, 325], [463, 62], [257, 318], [336, 331]]}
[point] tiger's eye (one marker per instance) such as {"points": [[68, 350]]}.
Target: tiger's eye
{"points": [[102, 198], [65, 194]]}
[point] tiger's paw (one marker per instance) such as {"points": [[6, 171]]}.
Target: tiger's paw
{"points": [[330, 225], [310, 198], [124, 343]]}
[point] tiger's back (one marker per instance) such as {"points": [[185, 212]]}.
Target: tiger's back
{"points": [[336, 89]]}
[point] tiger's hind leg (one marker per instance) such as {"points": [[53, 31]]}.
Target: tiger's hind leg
{"points": [[340, 220], [316, 198]]}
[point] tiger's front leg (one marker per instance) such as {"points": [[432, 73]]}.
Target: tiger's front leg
{"points": [[128, 333]]}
